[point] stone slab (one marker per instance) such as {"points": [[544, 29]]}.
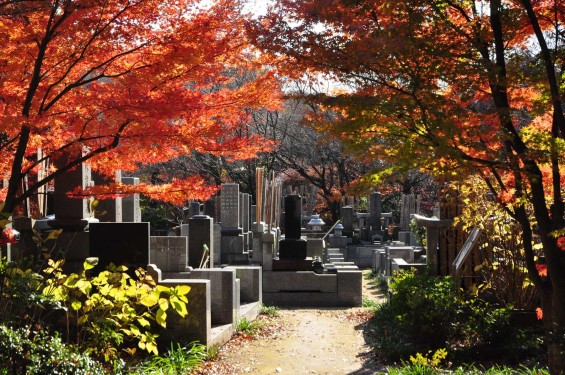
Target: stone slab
{"points": [[298, 281], [349, 287], [251, 283], [224, 293], [197, 326], [303, 299], [168, 253]]}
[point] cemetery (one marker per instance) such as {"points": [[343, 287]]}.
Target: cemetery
{"points": [[237, 254], [388, 176]]}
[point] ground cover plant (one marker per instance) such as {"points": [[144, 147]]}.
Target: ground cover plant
{"points": [[178, 360], [427, 313], [96, 322]]}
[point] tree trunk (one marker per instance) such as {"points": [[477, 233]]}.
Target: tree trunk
{"points": [[555, 327]]}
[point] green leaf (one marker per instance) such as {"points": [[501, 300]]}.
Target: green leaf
{"points": [[150, 299], [163, 304], [143, 322], [76, 305], [179, 307], [71, 281], [183, 289], [90, 263], [54, 234], [85, 286], [161, 318]]}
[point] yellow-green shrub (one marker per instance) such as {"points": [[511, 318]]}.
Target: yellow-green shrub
{"points": [[111, 310]]}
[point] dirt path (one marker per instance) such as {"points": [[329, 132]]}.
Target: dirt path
{"points": [[303, 341]]}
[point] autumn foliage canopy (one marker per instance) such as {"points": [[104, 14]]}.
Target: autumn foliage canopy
{"points": [[119, 83], [456, 88]]}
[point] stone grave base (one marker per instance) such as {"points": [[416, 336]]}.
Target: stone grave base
{"points": [[308, 289], [221, 334], [292, 264]]}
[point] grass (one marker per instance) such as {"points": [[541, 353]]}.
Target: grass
{"points": [[367, 302], [269, 310], [177, 361], [247, 327], [423, 369]]}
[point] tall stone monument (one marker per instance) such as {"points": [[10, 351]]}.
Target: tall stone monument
{"points": [[131, 209], [346, 214], [232, 243], [375, 211], [292, 247], [72, 215]]}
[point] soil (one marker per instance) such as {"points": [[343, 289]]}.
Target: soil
{"points": [[303, 341]]}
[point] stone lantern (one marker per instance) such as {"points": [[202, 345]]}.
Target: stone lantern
{"points": [[338, 230], [315, 223]]}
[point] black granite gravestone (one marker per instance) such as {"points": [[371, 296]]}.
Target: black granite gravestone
{"points": [[292, 247], [124, 244]]}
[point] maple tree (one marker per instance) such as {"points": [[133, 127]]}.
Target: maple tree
{"points": [[121, 83], [454, 87]]}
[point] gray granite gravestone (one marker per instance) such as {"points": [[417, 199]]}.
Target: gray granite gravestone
{"points": [[193, 209], [131, 209], [230, 208], [168, 253], [375, 211], [70, 213], [232, 243], [110, 209]]}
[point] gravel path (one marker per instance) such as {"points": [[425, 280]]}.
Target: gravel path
{"points": [[303, 341]]}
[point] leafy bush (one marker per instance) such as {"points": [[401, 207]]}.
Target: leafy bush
{"points": [[25, 351], [425, 314], [424, 369], [111, 310], [21, 301]]}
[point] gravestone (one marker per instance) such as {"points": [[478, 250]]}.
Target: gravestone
{"points": [[108, 210], [230, 209], [120, 243], [409, 205], [232, 243], [70, 213], [375, 211], [200, 233], [347, 220], [168, 253], [293, 247], [193, 209], [210, 208], [131, 209]]}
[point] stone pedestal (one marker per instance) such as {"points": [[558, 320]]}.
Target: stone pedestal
{"points": [[268, 249]]}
